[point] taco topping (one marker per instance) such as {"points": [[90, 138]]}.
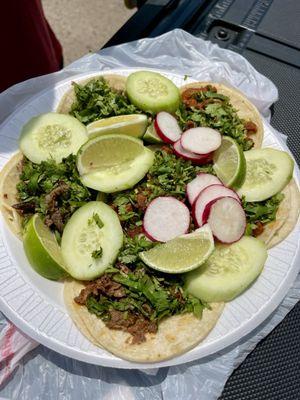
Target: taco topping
{"points": [[52, 190], [260, 213], [134, 298], [206, 107], [96, 100]]}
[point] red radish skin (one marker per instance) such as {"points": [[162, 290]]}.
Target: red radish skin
{"points": [[201, 181], [208, 207], [201, 140], [167, 127], [226, 218], [194, 158], [207, 195], [166, 218]]}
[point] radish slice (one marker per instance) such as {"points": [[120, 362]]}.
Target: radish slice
{"points": [[207, 195], [201, 181], [166, 218], [201, 140], [194, 158], [167, 127], [227, 219]]}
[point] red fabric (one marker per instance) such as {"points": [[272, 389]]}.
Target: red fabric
{"points": [[28, 46]]}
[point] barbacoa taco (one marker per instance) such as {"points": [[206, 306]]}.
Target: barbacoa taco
{"points": [[225, 109], [173, 336]]}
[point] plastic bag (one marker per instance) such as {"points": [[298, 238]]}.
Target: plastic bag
{"points": [[45, 374]]}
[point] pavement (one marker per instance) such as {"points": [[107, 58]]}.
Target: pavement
{"points": [[82, 26]]}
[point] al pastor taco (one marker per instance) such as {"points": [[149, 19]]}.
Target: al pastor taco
{"points": [[225, 109]]}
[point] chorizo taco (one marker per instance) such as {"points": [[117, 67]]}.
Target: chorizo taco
{"points": [[173, 336], [225, 109]]}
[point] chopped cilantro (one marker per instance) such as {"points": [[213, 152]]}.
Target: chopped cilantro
{"points": [[40, 185], [261, 211], [96, 100], [148, 293], [132, 247], [168, 176], [95, 218], [97, 253]]}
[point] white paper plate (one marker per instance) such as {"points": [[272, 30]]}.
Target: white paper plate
{"points": [[35, 305]]}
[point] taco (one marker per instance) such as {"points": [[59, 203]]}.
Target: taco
{"points": [[286, 217], [116, 82], [248, 119], [9, 177], [176, 334]]}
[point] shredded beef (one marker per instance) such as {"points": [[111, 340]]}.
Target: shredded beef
{"points": [[58, 220], [139, 329], [104, 285], [132, 323], [123, 267], [120, 320], [25, 207], [52, 197], [54, 215]]}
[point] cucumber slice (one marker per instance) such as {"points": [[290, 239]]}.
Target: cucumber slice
{"points": [[268, 171], [151, 136], [52, 135], [152, 92], [228, 271], [91, 240]]}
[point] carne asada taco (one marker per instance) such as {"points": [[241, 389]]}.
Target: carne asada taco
{"points": [[174, 335], [9, 177], [237, 116], [116, 82]]}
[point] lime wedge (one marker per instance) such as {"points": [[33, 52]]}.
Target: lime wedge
{"points": [[132, 125], [114, 162], [42, 250], [229, 163], [151, 136], [182, 254]]}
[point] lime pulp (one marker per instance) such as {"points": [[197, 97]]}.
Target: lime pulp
{"points": [[181, 254], [229, 163]]}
